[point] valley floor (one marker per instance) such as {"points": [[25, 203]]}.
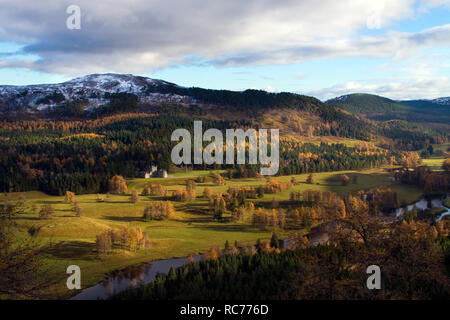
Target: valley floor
{"points": [[71, 239]]}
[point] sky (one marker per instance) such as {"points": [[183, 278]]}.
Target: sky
{"points": [[325, 48]]}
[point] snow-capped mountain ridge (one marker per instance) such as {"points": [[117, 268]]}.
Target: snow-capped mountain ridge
{"points": [[442, 101], [114, 82], [92, 87]]}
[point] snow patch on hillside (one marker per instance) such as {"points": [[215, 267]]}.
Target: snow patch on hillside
{"points": [[91, 87]]}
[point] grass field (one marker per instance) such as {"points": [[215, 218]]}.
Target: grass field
{"points": [[72, 239], [442, 147], [433, 162]]}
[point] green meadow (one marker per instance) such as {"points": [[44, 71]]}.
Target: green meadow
{"points": [[433, 162], [70, 240]]}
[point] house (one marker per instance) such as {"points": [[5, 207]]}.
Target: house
{"points": [[160, 174], [153, 172]]}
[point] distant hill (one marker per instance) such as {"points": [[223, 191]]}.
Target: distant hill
{"points": [[367, 103], [97, 95], [383, 109], [299, 117], [95, 91], [436, 105]]}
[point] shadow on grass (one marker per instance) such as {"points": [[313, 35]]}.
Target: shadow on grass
{"points": [[51, 202], [119, 201], [27, 218], [229, 228], [65, 210], [206, 184], [72, 250], [194, 208], [282, 204], [73, 215], [122, 219], [204, 219], [199, 212], [156, 198], [247, 180], [336, 179]]}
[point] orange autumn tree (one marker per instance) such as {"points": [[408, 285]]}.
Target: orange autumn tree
{"points": [[218, 179], [158, 190], [70, 197], [207, 193], [118, 185], [410, 159], [159, 210], [134, 196]]}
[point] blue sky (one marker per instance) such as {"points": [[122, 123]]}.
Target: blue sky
{"points": [[399, 50]]}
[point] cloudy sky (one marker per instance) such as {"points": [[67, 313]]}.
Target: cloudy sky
{"points": [[325, 48]]}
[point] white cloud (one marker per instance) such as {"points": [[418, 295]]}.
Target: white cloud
{"points": [[395, 88], [139, 35], [270, 89]]}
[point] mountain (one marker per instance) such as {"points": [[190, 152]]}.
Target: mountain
{"points": [[96, 90], [129, 105], [382, 109], [439, 104], [97, 95], [297, 116], [93, 88]]}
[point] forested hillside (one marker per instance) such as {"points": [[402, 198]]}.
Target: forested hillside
{"points": [[382, 109], [67, 139], [410, 258], [367, 103], [83, 156]]}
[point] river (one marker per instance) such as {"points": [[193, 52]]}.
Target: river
{"points": [[130, 277], [422, 204]]}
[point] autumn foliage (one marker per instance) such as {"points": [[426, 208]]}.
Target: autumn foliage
{"points": [[123, 238], [159, 210], [118, 185]]}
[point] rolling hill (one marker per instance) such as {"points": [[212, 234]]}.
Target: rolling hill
{"points": [[435, 105], [382, 109], [98, 95], [367, 103], [300, 118], [101, 125]]}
